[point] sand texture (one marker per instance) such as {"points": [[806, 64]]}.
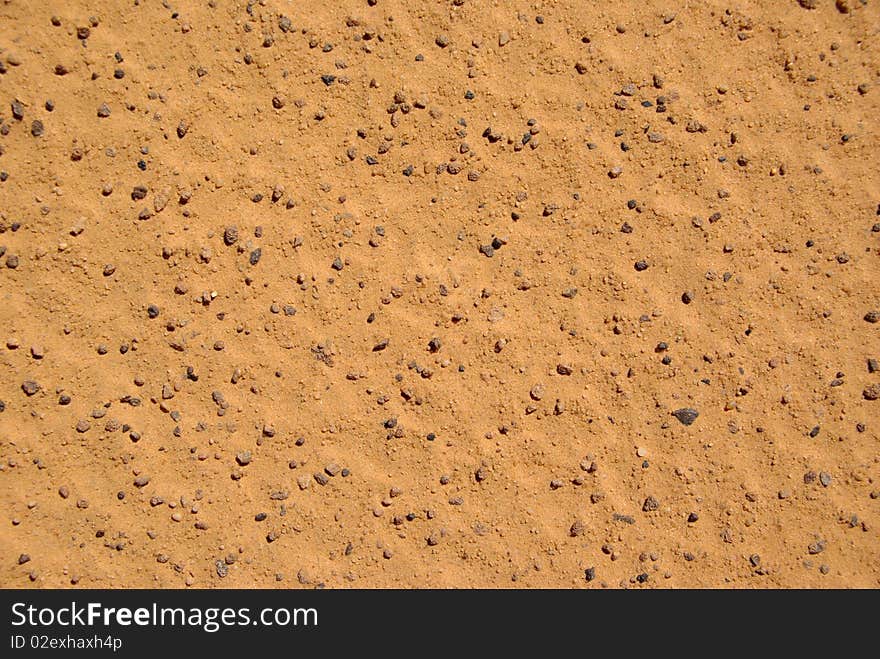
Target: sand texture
{"points": [[439, 293]]}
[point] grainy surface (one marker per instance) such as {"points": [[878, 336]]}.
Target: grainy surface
{"points": [[442, 293]]}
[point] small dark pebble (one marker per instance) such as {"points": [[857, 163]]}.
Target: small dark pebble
{"points": [[230, 235], [686, 415], [30, 387]]}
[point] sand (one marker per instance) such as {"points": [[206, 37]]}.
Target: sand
{"points": [[408, 294]]}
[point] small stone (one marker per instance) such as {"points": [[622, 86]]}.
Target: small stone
{"points": [[686, 415], [230, 235], [816, 547], [30, 387], [537, 392]]}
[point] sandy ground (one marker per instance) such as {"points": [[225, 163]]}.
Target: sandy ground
{"points": [[425, 294]]}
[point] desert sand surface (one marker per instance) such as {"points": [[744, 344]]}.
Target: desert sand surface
{"points": [[442, 293]]}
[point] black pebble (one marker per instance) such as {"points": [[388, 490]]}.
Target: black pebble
{"points": [[153, 311], [641, 266], [686, 415]]}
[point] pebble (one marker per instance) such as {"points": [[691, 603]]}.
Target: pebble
{"points": [[30, 387], [686, 415]]}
